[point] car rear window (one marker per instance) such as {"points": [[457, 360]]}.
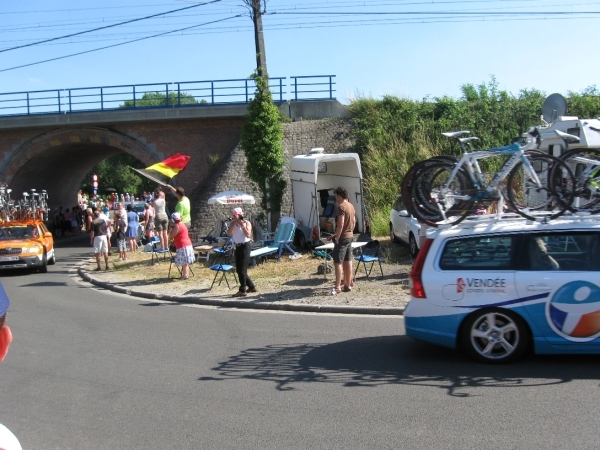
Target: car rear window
{"points": [[481, 253]]}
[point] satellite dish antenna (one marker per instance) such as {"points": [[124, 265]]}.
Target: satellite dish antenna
{"points": [[554, 107]]}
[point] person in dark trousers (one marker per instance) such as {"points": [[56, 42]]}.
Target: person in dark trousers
{"points": [[240, 231]]}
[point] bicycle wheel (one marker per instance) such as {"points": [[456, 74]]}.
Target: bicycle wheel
{"points": [[434, 203], [408, 180], [585, 165], [551, 197]]}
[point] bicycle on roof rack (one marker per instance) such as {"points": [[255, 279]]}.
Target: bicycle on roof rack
{"points": [[585, 165], [535, 185]]}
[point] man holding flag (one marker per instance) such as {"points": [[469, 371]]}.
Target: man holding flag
{"points": [[162, 173], [183, 206]]}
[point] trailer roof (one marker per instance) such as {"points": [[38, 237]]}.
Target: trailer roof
{"points": [[347, 164]]}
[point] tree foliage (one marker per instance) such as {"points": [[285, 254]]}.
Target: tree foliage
{"points": [[114, 172], [261, 141], [160, 99]]}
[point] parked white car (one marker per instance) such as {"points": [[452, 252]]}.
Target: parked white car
{"points": [[404, 227], [496, 287]]}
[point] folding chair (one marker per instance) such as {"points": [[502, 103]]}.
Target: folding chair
{"points": [[369, 254], [224, 253], [223, 264], [178, 269], [156, 252], [283, 238]]}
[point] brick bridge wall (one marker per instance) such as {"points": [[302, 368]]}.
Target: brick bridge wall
{"points": [[57, 159]]}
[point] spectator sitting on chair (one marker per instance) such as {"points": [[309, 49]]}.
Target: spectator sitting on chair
{"points": [[184, 252]]}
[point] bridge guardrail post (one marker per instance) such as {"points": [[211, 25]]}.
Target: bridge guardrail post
{"points": [[102, 99], [27, 103], [58, 95], [70, 106], [134, 101]]}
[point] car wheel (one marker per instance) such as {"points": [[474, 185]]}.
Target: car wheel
{"points": [[299, 240], [52, 260], [412, 245], [44, 267], [495, 336], [393, 237]]}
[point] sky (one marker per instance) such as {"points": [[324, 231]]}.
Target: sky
{"points": [[410, 49]]}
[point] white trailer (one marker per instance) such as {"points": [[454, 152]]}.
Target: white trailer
{"points": [[314, 176]]}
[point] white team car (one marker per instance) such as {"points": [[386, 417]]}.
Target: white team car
{"points": [[496, 287], [404, 227]]}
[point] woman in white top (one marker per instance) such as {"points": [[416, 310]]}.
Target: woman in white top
{"points": [[240, 230]]}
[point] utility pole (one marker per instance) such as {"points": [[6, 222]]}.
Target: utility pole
{"points": [[259, 41]]}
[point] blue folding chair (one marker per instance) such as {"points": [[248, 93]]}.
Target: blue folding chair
{"points": [[156, 252], [222, 264], [281, 241], [369, 255]]}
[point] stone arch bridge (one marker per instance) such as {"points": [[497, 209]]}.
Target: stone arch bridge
{"points": [[55, 151]]}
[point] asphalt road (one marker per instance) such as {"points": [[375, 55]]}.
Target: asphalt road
{"points": [[89, 369]]}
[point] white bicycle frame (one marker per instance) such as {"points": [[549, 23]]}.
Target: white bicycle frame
{"points": [[469, 160]]}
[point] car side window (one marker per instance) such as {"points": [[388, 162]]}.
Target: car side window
{"points": [[570, 251], [399, 204], [480, 253]]}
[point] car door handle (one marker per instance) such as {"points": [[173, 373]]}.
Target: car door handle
{"points": [[538, 287]]}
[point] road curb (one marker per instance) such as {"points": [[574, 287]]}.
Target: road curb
{"points": [[294, 307]]}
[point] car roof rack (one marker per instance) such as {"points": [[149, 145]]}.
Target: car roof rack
{"points": [[541, 217]]}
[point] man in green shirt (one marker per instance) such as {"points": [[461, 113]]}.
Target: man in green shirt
{"points": [[183, 206]]}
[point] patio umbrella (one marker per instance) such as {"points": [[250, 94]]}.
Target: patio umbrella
{"points": [[232, 198]]}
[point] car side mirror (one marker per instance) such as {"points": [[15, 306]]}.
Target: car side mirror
{"points": [[404, 213], [47, 234]]}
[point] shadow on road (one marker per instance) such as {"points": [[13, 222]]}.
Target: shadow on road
{"points": [[369, 362]]}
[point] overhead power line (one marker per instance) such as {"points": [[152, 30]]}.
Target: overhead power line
{"points": [[433, 13], [121, 43], [108, 26]]}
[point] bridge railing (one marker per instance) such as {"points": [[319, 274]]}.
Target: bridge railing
{"points": [[163, 95]]}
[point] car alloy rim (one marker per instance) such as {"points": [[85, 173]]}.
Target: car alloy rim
{"points": [[494, 335]]}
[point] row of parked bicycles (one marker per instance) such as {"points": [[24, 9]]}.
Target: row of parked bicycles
{"points": [[531, 182], [33, 205]]}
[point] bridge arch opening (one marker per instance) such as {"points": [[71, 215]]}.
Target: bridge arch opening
{"points": [[58, 161]]}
